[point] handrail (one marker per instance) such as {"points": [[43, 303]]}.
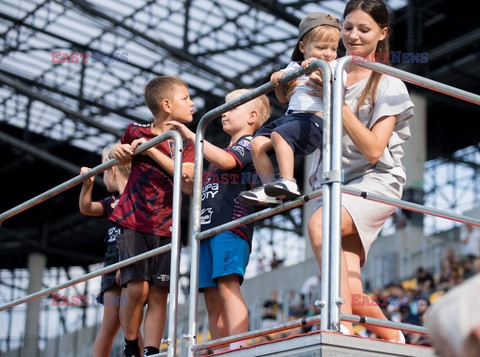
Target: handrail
{"points": [[331, 191], [416, 79], [307, 321], [414, 207], [302, 322], [174, 246], [335, 199], [75, 180], [197, 182], [386, 323], [85, 277]]}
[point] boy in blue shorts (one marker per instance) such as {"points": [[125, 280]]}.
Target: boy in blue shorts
{"points": [[224, 257], [144, 210]]}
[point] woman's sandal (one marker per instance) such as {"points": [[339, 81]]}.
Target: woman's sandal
{"points": [[401, 338]]}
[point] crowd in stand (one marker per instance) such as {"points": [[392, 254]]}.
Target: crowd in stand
{"points": [[406, 301]]}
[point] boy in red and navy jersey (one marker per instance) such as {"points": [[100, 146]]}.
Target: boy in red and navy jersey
{"points": [[144, 210]]}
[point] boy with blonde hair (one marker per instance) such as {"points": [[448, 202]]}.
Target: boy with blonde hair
{"points": [[224, 257], [144, 210]]}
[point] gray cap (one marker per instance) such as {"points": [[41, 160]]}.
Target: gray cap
{"points": [[309, 22]]}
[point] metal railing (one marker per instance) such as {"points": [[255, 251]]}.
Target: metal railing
{"points": [[197, 188], [331, 191], [333, 302], [173, 247]]}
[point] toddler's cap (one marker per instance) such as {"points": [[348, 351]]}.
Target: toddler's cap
{"points": [[309, 22]]}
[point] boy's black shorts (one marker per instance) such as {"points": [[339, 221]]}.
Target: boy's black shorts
{"points": [[108, 280], [302, 131], [155, 270]]}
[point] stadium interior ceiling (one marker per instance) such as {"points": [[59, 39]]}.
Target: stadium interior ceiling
{"points": [[56, 117]]}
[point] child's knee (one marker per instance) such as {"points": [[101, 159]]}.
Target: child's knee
{"points": [[158, 295], [137, 291], [277, 138], [257, 145], [315, 231], [212, 299]]}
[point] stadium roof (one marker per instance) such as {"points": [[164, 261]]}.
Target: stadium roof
{"points": [[114, 47], [58, 116]]}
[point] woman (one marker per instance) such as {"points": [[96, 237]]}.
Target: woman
{"points": [[375, 113]]}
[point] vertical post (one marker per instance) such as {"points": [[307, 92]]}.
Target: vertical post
{"points": [[335, 301], [326, 189], [36, 265], [10, 311], [175, 251], [197, 187], [197, 202], [194, 252]]}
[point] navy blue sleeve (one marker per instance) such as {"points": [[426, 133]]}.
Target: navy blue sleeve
{"points": [[241, 151]]}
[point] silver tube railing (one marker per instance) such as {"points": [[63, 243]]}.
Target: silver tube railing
{"points": [[335, 199], [305, 321], [191, 337], [76, 180], [174, 246], [414, 207], [331, 192], [415, 79], [84, 277], [175, 253], [326, 196]]}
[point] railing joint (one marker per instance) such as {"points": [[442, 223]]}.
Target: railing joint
{"points": [[333, 176]]}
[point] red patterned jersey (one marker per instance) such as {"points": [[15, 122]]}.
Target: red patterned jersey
{"points": [[146, 203]]}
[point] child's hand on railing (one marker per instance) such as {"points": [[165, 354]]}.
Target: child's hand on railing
{"points": [[316, 83], [88, 181], [183, 130], [137, 142], [123, 153], [276, 77]]}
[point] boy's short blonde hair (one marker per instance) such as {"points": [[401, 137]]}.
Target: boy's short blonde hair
{"points": [[322, 33], [123, 170], [260, 104], [160, 88]]}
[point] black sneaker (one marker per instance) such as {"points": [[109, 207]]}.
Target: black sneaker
{"points": [[130, 351]]}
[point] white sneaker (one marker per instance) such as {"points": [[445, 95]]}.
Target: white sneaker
{"points": [[257, 197], [283, 188]]}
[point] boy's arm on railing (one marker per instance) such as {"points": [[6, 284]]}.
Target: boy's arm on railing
{"points": [[214, 155], [85, 203]]}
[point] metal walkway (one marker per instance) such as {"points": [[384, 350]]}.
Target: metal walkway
{"points": [[329, 344]]}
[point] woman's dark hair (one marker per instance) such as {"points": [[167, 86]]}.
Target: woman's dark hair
{"points": [[379, 12]]}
